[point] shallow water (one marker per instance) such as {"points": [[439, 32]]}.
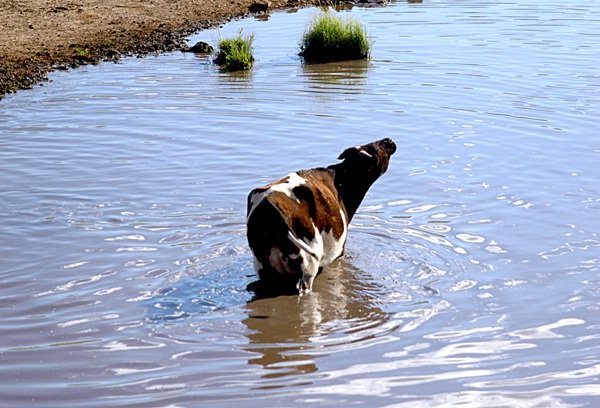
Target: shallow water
{"points": [[472, 270]]}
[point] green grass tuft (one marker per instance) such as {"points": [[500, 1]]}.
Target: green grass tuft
{"points": [[329, 38], [235, 54]]}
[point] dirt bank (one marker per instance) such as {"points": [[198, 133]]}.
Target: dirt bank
{"points": [[38, 36]]}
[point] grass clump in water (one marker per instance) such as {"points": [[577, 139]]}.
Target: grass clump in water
{"points": [[235, 54], [329, 38]]}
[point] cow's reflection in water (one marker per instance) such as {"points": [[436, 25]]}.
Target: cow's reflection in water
{"points": [[289, 333]]}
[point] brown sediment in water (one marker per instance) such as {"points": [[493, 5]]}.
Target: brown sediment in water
{"points": [[39, 36]]}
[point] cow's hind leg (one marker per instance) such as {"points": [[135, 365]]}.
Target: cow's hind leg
{"points": [[310, 269], [310, 254]]}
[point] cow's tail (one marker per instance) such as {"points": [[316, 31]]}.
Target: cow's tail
{"points": [[303, 245]]}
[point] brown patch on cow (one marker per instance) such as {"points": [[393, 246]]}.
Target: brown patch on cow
{"points": [[327, 202]]}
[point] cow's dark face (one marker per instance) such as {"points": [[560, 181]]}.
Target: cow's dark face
{"points": [[370, 160]]}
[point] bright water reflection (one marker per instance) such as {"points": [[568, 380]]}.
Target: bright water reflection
{"points": [[471, 275]]}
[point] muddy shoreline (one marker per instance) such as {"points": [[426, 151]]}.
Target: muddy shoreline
{"points": [[40, 36]]}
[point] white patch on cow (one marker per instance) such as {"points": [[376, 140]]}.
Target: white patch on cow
{"points": [[332, 246], [285, 187]]}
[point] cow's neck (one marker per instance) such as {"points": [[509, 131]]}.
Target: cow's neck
{"points": [[352, 188]]}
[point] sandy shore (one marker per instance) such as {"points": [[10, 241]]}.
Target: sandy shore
{"points": [[39, 36]]}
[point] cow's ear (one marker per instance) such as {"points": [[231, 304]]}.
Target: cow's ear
{"points": [[355, 152]]}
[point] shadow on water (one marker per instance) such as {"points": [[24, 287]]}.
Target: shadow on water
{"points": [[289, 332]]}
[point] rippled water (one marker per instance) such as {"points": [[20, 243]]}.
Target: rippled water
{"points": [[472, 270]]}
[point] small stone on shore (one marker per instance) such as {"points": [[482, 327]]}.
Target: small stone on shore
{"points": [[200, 48]]}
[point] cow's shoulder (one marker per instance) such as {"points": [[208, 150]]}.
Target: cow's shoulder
{"points": [[323, 198], [323, 177]]}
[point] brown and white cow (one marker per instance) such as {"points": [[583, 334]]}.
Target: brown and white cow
{"points": [[298, 225]]}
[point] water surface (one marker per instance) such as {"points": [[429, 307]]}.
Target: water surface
{"points": [[472, 270]]}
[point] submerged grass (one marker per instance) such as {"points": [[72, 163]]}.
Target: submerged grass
{"points": [[235, 54], [330, 38]]}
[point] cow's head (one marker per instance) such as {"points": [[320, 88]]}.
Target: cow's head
{"points": [[368, 161], [361, 167]]}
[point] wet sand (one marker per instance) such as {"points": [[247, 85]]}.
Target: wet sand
{"points": [[39, 36]]}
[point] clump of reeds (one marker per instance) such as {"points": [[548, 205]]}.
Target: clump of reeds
{"points": [[330, 38], [235, 54]]}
